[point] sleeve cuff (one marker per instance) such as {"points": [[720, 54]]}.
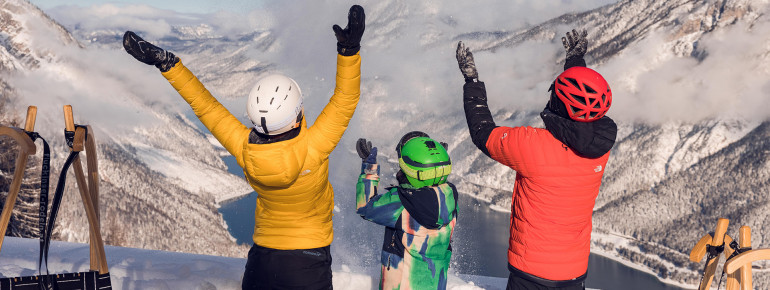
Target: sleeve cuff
{"points": [[370, 168]]}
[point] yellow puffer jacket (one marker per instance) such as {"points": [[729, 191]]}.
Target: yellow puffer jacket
{"points": [[295, 199]]}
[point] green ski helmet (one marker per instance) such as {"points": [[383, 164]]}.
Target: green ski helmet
{"points": [[424, 161]]}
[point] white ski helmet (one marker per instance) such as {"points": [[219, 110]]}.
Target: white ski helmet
{"points": [[275, 105]]}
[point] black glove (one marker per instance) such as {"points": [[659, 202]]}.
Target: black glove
{"points": [[576, 45], [147, 53], [466, 63], [366, 152], [349, 39]]}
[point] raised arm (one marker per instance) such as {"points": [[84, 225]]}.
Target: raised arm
{"points": [[383, 209], [477, 114], [230, 132], [328, 128]]}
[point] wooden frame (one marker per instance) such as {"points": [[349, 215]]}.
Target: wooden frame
{"points": [[26, 148], [88, 187]]}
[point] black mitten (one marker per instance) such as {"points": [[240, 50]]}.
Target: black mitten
{"points": [[147, 53], [349, 39]]}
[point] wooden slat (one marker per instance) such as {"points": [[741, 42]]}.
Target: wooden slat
{"points": [[699, 251], [29, 124], [69, 121], [745, 276]]}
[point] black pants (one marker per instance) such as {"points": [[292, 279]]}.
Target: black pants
{"points": [[288, 269], [519, 283]]}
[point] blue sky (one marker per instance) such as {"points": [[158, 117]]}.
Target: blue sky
{"points": [[184, 6]]}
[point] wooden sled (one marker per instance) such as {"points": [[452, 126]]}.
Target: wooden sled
{"points": [[89, 187], [738, 257]]}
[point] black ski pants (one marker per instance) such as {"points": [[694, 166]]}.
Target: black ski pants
{"points": [[519, 283], [288, 269]]}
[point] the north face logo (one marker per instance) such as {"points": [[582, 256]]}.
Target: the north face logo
{"points": [[598, 168]]}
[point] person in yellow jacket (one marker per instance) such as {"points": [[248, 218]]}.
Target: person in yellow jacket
{"points": [[284, 161]]}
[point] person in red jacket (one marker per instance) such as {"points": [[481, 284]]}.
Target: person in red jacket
{"points": [[558, 169]]}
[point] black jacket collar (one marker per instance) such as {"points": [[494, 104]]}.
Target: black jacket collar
{"points": [[591, 140]]}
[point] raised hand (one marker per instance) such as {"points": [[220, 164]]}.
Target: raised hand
{"points": [[466, 63], [576, 44], [349, 39], [147, 52], [366, 151]]}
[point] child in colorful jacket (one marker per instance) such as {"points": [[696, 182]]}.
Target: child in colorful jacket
{"points": [[419, 214], [285, 161], [559, 169]]}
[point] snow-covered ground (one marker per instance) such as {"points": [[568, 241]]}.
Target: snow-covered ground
{"points": [[147, 269]]}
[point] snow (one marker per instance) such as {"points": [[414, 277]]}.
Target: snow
{"points": [[147, 269]]}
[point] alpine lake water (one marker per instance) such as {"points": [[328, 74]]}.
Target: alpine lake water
{"points": [[481, 237]]}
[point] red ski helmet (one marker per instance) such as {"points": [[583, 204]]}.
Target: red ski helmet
{"points": [[584, 92]]}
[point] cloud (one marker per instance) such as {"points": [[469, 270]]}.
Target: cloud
{"points": [[104, 86], [155, 23], [650, 84]]}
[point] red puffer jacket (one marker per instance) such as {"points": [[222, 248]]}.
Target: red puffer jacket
{"points": [[553, 199]]}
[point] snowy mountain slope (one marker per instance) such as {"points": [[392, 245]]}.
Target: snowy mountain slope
{"points": [[20, 27], [147, 269], [688, 203]]}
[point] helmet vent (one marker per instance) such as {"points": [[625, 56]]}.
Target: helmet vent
{"points": [[573, 110], [289, 89], [276, 88], [593, 114], [580, 99], [258, 87], [573, 82], [271, 100], [279, 106], [257, 100], [604, 98], [286, 97], [590, 90], [558, 80], [263, 111], [598, 106], [430, 144]]}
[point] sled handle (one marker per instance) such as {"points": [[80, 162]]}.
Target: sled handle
{"points": [[69, 121], [29, 124], [699, 250]]}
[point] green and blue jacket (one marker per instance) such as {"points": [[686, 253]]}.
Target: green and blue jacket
{"points": [[418, 224]]}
